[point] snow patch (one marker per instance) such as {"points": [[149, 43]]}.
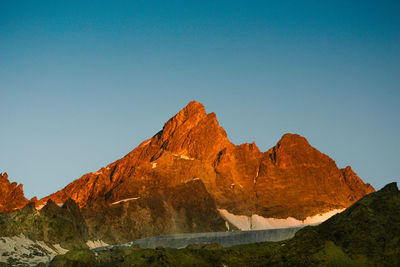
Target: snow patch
{"points": [[27, 252], [60, 204], [186, 157], [146, 143], [257, 222], [227, 225], [124, 200], [96, 244], [59, 249], [255, 178], [195, 179], [154, 165], [242, 222], [183, 156]]}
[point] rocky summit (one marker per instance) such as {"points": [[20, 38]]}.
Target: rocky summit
{"points": [[11, 195], [292, 179]]}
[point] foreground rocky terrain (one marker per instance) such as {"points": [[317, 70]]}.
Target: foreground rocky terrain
{"points": [[64, 227], [366, 234]]}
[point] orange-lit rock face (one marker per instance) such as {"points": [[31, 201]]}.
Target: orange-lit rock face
{"points": [[295, 178], [291, 179], [11, 195]]}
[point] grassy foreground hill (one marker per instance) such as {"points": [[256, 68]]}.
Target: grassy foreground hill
{"points": [[366, 234]]}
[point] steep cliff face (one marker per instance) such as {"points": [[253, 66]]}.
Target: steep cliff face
{"points": [[295, 178], [11, 195], [291, 179]]}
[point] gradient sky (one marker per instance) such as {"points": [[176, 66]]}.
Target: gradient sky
{"points": [[84, 82]]}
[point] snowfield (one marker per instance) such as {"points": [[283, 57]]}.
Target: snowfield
{"points": [[26, 252], [257, 222], [124, 200], [96, 244]]}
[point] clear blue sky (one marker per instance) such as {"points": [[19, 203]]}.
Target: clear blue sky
{"points": [[84, 82]]}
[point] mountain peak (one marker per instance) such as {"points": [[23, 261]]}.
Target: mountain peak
{"points": [[293, 151], [4, 176], [292, 139], [11, 195], [392, 187], [292, 179], [185, 119], [194, 133], [194, 107], [188, 116]]}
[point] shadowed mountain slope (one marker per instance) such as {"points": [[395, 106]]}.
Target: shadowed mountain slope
{"points": [[366, 234]]}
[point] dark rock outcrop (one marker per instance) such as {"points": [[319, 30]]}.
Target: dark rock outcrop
{"points": [[54, 224], [185, 208]]}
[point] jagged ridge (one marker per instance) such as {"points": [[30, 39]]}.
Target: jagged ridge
{"points": [[291, 179], [11, 195]]}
